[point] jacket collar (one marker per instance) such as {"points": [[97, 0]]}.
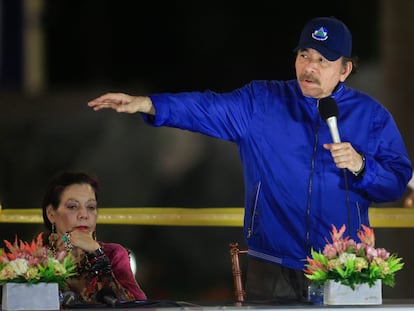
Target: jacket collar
{"points": [[337, 93]]}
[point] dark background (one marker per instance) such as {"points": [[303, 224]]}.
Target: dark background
{"points": [[96, 46], [186, 45]]}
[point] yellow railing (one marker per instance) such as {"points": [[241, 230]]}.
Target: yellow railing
{"points": [[215, 216]]}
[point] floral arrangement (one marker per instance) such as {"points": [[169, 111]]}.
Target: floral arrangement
{"points": [[33, 263], [350, 263]]}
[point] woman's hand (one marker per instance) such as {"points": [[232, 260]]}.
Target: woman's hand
{"points": [[83, 240]]}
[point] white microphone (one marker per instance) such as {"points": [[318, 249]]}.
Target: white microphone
{"points": [[328, 110]]}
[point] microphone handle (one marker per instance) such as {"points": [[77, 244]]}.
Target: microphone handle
{"points": [[333, 127]]}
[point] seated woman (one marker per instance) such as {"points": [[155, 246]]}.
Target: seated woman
{"points": [[70, 214]]}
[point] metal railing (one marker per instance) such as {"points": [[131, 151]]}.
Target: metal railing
{"points": [[390, 217]]}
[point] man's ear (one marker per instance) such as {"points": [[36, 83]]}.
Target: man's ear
{"points": [[346, 71]]}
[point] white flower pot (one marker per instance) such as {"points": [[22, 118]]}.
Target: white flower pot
{"points": [[21, 296], [338, 294]]}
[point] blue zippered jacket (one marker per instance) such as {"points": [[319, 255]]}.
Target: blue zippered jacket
{"points": [[294, 193]]}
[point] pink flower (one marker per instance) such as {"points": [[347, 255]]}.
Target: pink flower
{"points": [[330, 251], [371, 253], [383, 253], [60, 256]]}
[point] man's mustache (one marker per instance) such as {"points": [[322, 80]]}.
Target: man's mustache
{"points": [[309, 77]]}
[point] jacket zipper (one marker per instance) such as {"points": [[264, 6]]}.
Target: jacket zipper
{"points": [[308, 209], [250, 230]]}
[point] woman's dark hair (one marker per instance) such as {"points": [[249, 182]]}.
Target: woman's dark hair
{"points": [[58, 184]]}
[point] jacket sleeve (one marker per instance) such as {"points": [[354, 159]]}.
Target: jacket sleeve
{"points": [[387, 165], [225, 115]]}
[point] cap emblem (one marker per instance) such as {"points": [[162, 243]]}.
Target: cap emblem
{"points": [[320, 34]]}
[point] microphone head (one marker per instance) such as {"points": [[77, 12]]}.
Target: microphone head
{"points": [[69, 298], [106, 296], [328, 108]]}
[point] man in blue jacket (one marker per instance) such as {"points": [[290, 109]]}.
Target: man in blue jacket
{"points": [[297, 182]]}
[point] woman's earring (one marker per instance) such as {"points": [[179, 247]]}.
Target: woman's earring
{"points": [[53, 237], [94, 235], [67, 242]]}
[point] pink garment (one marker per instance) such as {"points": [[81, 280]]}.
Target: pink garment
{"points": [[121, 268]]}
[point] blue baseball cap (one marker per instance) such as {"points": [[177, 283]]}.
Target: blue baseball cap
{"points": [[328, 35]]}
